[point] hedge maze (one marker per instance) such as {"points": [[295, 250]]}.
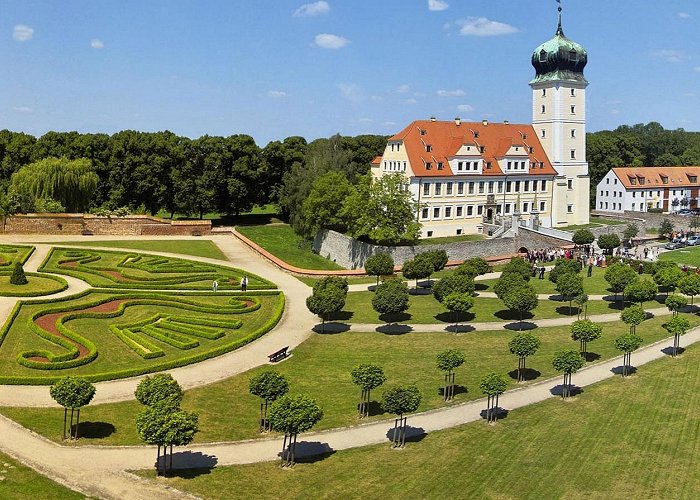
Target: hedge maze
{"points": [[129, 270]]}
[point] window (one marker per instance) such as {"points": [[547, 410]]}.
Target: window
{"points": [[470, 211], [544, 185], [440, 165], [573, 92], [570, 209], [573, 133], [517, 186], [570, 183], [632, 206], [542, 134], [479, 209], [507, 208], [424, 214], [471, 188], [573, 110], [544, 91], [526, 186], [693, 178], [573, 154], [543, 205], [543, 108], [426, 189], [573, 57], [438, 188], [449, 188], [634, 194], [615, 181], [490, 187], [543, 58], [481, 187], [430, 233], [498, 209], [500, 187], [459, 211], [509, 186], [606, 204], [509, 164], [459, 231], [428, 148], [436, 213], [428, 166], [422, 132], [522, 165], [448, 212], [607, 181], [526, 207], [460, 188], [488, 165]]}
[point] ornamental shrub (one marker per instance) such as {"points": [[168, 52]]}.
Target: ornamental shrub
{"points": [[18, 277]]}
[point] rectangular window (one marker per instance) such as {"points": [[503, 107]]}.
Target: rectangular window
{"points": [[544, 185], [436, 213], [542, 206], [470, 211], [459, 232], [479, 209], [440, 165], [507, 208], [428, 148], [573, 110], [498, 209], [509, 186], [460, 188], [481, 187], [573, 154], [526, 207], [438, 188], [490, 187], [459, 166], [448, 212], [426, 189], [570, 183], [459, 211], [526, 186], [570, 209], [424, 214], [542, 134], [500, 186], [543, 108], [428, 166], [471, 188], [509, 165], [634, 194], [449, 188], [573, 133], [517, 186]]}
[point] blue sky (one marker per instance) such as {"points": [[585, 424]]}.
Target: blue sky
{"points": [[275, 68]]}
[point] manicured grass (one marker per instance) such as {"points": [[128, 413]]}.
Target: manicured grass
{"points": [[594, 222], [634, 438], [451, 239], [19, 482], [321, 368], [9, 254], [196, 248], [281, 241], [142, 312], [114, 269], [38, 284], [352, 280], [687, 255]]}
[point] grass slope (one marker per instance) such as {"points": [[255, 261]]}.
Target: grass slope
{"points": [[634, 438], [22, 483], [196, 248]]}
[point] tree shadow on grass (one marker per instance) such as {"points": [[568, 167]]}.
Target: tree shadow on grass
{"points": [[331, 328], [592, 356], [528, 374], [394, 329], [420, 291], [520, 325], [480, 287], [501, 412], [564, 310], [449, 317], [669, 351], [189, 464], [309, 452], [507, 314], [461, 328], [617, 370], [395, 318], [95, 430], [341, 316], [557, 390], [618, 305], [375, 408], [413, 434], [459, 389]]}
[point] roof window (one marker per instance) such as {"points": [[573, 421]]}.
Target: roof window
{"points": [[428, 148], [488, 165], [422, 131], [543, 55], [439, 165], [428, 166]]}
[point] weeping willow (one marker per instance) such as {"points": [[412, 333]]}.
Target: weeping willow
{"points": [[72, 182]]}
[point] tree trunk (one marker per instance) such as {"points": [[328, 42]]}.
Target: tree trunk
{"points": [[171, 459], [71, 423], [65, 418], [77, 424], [284, 449], [158, 462], [323, 324]]}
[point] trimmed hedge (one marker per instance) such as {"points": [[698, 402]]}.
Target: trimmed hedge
{"points": [[34, 293], [140, 346]]}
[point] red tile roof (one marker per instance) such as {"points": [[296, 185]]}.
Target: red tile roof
{"points": [[447, 137], [654, 177], [377, 160]]}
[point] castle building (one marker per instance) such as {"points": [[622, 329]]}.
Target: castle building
{"points": [[474, 177]]}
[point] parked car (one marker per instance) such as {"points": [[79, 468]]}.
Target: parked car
{"points": [[685, 211], [693, 240], [673, 245]]}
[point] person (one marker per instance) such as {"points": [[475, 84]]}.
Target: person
{"points": [[542, 272], [590, 269], [244, 284], [641, 268], [215, 285]]}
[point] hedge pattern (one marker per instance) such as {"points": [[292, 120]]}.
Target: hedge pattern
{"points": [[21, 292], [11, 254]]}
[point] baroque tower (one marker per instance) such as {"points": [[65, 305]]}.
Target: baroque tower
{"points": [[559, 119]]}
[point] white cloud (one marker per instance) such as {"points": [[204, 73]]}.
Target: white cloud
{"points": [[481, 26], [276, 94], [96, 43], [365, 120], [403, 89], [684, 15], [351, 91], [614, 111], [376, 98], [312, 9], [437, 5], [465, 108], [689, 94], [670, 55], [23, 109], [697, 68], [410, 101], [22, 33], [328, 41], [389, 124], [450, 93]]}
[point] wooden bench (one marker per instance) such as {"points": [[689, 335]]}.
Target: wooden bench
{"points": [[278, 355]]}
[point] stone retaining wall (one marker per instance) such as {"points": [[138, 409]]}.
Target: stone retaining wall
{"points": [[92, 224]]}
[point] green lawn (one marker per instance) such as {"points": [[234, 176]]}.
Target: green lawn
{"points": [[172, 329], [594, 222], [321, 368], [196, 248], [38, 284], [634, 438], [19, 482], [687, 255], [451, 239], [281, 241], [352, 280], [9, 254]]}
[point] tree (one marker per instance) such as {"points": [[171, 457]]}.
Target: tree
{"points": [[569, 286], [521, 300], [666, 228], [454, 283], [165, 426], [582, 304], [418, 268], [327, 298], [437, 257], [677, 326], [583, 237], [391, 298], [690, 285], [293, 415], [476, 266], [631, 230], [320, 208], [564, 266], [269, 386], [608, 242], [74, 393], [18, 277], [628, 343], [493, 385], [379, 264], [159, 389], [523, 345], [518, 265], [675, 303], [619, 276], [585, 331], [633, 316], [569, 362], [640, 291], [668, 277], [71, 182], [458, 303], [508, 282], [399, 401], [694, 223], [447, 361], [368, 377]]}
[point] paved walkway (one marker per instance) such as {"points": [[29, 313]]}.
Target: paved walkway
{"points": [[100, 471]]}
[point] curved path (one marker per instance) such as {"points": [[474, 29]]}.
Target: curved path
{"points": [[79, 467]]}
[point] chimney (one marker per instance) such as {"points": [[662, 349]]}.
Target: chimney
{"points": [[433, 119], [484, 122], [506, 122], [458, 121]]}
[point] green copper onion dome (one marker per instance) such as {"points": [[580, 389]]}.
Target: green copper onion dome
{"points": [[559, 59]]}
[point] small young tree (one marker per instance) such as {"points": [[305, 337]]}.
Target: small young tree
{"points": [[447, 361], [379, 264], [327, 298], [581, 302], [633, 316], [677, 326], [163, 425], [619, 276], [585, 331], [690, 285], [74, 393], [521, 300], [459, 283], [181, 427], [268, 386], [523, 345], [18, 277], [583, 237], [391, 297], [293, 415], [458, 303], [569, 362], [668, 278], [631, 231], [569, 286], [417, 269], [675, 303], [666, 228], [493, 385], [161, 388], [476, 266], [628, 343], [608, 242], [399, 401], [640, 291], [368, 377]]}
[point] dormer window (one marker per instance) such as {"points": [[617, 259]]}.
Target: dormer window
{"points": [[488, 165], [532, 150], [633, 181], [664, 179], [428, 166], [428, 148], [693, 178], [543, 55], [423, 131], [476, 135], [573, 56], [641, 181], [439, 165], [482, 149]]}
